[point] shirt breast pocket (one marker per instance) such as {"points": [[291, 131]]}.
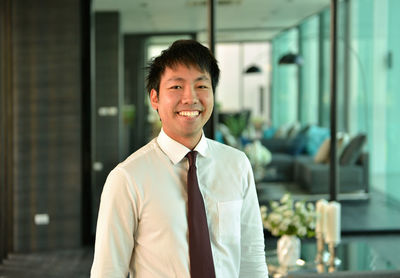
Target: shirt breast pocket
{"points": [[229, 221]]}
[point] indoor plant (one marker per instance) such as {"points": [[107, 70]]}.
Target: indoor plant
{"points": [[289, 220]]}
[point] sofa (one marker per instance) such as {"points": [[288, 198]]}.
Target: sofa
{"points": [[281, 167], [309, 167], [314, 177], [287, 148]]}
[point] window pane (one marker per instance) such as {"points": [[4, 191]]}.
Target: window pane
{"points": [[309, 79], [393, 101], [284, 80]]}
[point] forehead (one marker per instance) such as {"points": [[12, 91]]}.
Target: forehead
{"points": [[181, 70]]}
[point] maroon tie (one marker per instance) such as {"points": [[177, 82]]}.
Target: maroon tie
{"points": [[200, 254]]}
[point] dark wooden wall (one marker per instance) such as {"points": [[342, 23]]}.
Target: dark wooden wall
{"points": [[6, 131], [47, 96], [107, 99], [135, 92]]}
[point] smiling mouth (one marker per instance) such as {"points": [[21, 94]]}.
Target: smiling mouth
{"points": [[190, 114]]}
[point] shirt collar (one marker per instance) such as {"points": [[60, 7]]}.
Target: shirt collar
{"points": [[175, 150]]}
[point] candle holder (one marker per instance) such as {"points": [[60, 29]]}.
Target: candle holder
{"points": [[319, 259], [333, 261]]}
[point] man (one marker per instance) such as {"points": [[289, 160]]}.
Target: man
{"points": [[147, 224]]}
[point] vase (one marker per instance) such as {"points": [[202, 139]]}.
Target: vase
{"points": [[288, 250]]}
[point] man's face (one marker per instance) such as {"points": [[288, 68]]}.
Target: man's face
{"points": [[184, 103]]}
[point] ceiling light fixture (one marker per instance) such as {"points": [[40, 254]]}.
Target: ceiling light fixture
{"points": [[291, 59], [253, 69]]}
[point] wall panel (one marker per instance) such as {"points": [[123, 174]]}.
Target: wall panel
{"points": [[47, 123], [6, 131], [106, 132]]}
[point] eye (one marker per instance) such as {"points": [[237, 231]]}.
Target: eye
{"points": [[202, 87], [175, 87]]}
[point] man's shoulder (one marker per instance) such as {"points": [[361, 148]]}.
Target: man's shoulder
{"points": [[225, 150], [140, 156]]}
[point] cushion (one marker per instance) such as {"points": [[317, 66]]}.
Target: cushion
{"points": [[352, 151], [315, 137], [300, 141], [281, 132], [293, 130], [269, 132], [322, 155], [343, 139]]}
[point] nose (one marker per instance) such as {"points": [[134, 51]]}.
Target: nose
{"points": [[190, 95]]}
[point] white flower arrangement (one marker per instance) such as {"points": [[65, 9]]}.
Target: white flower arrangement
{"points": [[289, 218]]}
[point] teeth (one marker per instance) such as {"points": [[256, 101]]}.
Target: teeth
{"points": [[189, 113]]}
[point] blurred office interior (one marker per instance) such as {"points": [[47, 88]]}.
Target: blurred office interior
{"points": [[73, 102]]}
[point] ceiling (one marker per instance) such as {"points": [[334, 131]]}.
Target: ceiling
{"points": [[235, 20]]}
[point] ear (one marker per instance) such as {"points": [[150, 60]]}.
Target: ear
{"points": [[154, 99]]}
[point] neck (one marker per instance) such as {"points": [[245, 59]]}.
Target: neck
{"points": [[189, 142]]}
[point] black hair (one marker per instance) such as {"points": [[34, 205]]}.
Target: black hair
{"points": [[186, 52]]}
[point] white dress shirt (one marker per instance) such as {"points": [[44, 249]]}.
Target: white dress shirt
{"points": [[142, 224]]}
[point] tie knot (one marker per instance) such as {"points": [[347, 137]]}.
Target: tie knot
{"points": [[192, 158]]}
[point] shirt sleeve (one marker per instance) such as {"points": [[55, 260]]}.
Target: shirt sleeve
{"points": [[252, 263], [116, 224]]}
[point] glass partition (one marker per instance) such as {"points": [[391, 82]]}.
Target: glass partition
{"points": [[368, 58], [284, 79], [309, 81]]}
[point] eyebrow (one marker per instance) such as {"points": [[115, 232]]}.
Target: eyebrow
{"points": [[200, 78]]}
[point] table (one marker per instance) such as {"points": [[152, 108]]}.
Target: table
{"points": [[351, 255]]}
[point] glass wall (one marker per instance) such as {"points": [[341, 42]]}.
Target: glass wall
{"points": [[361, 49], [284, 79], [238, 90], [309, 81], [368, 81], [393, 100], [324, 68], [375, 48]]}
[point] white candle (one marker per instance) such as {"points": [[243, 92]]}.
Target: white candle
{"points": [[333, 228], [320, 223]]}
